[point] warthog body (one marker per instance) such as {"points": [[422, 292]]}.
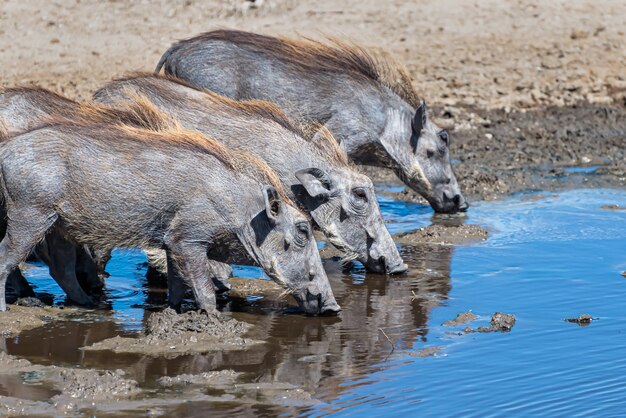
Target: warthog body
{"points": [[317, 175], [366, 100], [118, 186], [72, 266]]}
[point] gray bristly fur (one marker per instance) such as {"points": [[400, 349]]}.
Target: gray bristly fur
{"points": [[117, 186], [366, 100], [317, 174], [71, 266]]}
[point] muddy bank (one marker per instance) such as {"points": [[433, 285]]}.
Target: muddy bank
{"points": [[20, 318], [53, 390], [215, 379], [443, 235], [499, 322], [170, 334], [500, 152]]}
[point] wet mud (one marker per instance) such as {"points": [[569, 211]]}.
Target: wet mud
{"points": [[22, 317], [582, 320], [170, 334], [443, 235], [461, 319], [499, 153], [433, 351], [500, 322], [37, 389]]}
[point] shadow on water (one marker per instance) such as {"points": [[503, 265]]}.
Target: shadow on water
{"points": [[547, 257]]}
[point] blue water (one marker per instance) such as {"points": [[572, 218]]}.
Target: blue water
{"points": [[545, 260], [548, 257], [584, 170]]}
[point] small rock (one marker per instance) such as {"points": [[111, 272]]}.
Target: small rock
{"points": [[579, 34], [489, 136], [612, 207], [582, 320], [426, 352], [502, 321], [462, 318], [30, 302], [598, 30]]}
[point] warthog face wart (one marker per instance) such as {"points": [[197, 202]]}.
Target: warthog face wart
{"points": [[424, 160], [345, 208], [288, 252]]}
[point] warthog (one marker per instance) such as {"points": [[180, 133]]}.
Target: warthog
{"points": [[317, 175], [365, 99], [114, 186]]}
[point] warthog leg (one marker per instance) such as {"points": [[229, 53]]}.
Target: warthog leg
{"points": [[87, 270], [187, 263], [61, 257], [220, 272], [101, 258], [157, 262], [26, 228], [17, 286]]}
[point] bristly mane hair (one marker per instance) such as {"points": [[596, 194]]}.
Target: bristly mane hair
{"points": [[325, 140], [143, 122], [4, 132], [140, 113], [332, 55]]}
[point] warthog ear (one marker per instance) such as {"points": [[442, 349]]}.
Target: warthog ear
{"points": [[397, 131], [273, 204], [419, 120], [315, 181]]}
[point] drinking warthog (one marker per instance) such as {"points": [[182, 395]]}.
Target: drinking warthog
{"points": [[317, 175], [366, 100], [72, 266], [118, 186]]}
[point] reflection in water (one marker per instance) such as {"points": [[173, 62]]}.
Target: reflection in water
{"points": [[545, 260], [317, 354]]}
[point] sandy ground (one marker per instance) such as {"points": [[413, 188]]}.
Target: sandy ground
{"points": [[491, 53], [506, 77]]}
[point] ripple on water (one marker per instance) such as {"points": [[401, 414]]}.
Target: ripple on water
{"points": [[548, 257]]}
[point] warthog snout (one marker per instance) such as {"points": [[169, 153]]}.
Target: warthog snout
{"points": [[317, 303], [396, 268], [453, 202], [378, 263]]}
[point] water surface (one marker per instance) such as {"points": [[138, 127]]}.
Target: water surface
{"points": [[548, 257]]}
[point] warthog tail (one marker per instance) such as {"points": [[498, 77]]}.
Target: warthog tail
{"points": [[164, 58]]}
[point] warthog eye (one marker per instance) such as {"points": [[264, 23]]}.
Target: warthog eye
{"points": [[359, 200], [443, 135], [302, 235], [360, 194]]}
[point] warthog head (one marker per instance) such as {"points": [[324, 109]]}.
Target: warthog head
{"points": [[423, 161], [286, 249], [344, 206]]}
